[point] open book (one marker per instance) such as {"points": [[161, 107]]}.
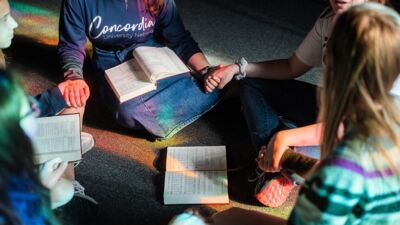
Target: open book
{"points": [[196, 175], [140, 74], [58, 136]]}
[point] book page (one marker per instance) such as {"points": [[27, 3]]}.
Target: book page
{"points": [[159, 62], [58, 136], [196, 187], [196, 158], [128, 80]]}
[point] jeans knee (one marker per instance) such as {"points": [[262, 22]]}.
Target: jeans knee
{"points": [[125, 118]]}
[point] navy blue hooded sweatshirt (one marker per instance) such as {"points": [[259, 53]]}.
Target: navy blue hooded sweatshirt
{"points": [[115, 24]]}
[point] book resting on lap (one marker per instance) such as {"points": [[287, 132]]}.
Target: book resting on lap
{"points": [[140, 74]]}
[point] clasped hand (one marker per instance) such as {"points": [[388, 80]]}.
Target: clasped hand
{"points": [[75, 92], [219, 77], [269, 156]]}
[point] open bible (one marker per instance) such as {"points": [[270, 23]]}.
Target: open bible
{"points": [[196, 175], [58, 136], [140, 74]]}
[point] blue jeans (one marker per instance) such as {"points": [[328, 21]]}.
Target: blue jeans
{"points": [[177, 102], [265, 101]]}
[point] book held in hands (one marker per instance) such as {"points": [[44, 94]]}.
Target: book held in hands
{"points": [[57, 136], [139, 75], [196, 175]]}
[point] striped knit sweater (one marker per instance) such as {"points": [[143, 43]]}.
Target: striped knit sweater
{"points": [[354, 185]]}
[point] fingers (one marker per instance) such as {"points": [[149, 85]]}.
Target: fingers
{"points": [[213, 81], [66, 96], [76, 93], [82, 97], [276, 162], [72, 98], [86, 92], [77, 97], [209, 87], [210, 83], [266, 160]]}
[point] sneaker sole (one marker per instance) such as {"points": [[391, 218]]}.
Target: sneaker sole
{"points": [[276, 192]]}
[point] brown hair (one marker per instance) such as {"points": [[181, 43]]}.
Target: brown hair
{"points": [[154, 6], [363, 61]]}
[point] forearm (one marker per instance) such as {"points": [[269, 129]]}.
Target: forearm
{"points": [[198, 61], [280, 69], [303, 136]]}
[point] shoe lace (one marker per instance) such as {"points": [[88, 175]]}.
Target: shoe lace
{"points": [[256, 175], [78, 188], [79, 191]]}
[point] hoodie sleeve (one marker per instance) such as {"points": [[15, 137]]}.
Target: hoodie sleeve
{"points": [[51, 102], [72, 39], [173, 33]]}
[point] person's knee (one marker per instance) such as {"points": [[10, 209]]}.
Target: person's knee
{"points": [[124, 117]]}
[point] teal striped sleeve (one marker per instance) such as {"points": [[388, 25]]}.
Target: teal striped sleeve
{"points": [[331, 194]]}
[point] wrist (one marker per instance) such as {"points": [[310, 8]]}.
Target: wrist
{"points": [[203, 71], [72, 74], [235, 70], [242, 64]]}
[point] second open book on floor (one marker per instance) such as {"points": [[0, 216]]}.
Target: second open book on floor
{"points": [[196, 175], [140, 74]]}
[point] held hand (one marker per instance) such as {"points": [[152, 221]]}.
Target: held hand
{"points": [[51, 171], [75, 92], [220, 77], [269, 157], [210, 82]]}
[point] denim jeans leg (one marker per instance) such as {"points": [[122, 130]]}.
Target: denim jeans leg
{"points": [[262, 119], [103, 60], [265, 100], [178, 101]]}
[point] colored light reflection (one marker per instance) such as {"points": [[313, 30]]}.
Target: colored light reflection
{"points": [[36, 23]]}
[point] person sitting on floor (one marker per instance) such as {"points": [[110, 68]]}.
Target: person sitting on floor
{"points": [[358, 178], [48, 103], [270, 96]]}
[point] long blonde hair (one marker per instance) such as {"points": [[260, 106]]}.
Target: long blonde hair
{"points": [[363, 61]]}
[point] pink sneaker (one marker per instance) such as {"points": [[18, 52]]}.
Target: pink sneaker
{"points": [[273, 193]]}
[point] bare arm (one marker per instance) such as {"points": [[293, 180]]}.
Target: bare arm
{"points": [[270, 156], [280, 69], [303, 136], [198, 61]]}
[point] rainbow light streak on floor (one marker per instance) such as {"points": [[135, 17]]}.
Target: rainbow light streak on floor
{"points": [[36, 23]]}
